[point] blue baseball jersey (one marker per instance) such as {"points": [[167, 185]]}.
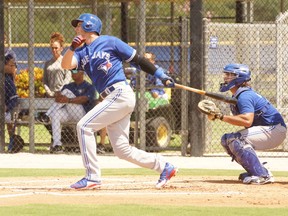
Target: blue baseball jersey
{"points": [[250, 101], [11, 97], [84, 89], [103, 59]]}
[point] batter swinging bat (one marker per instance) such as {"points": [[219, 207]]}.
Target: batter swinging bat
{"points": [[209, 94]]}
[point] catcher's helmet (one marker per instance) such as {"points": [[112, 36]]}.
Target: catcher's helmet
{"points": [[242, 74], [91, 23]]}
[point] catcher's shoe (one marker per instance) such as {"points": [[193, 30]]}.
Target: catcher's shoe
{"points": [[258, 180], [242, 176], [168, 172], [246, 178], [86, 184]]}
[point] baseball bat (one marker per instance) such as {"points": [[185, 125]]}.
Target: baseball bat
{"points": [[208, 94]]}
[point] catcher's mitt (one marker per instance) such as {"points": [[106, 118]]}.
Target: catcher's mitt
{"points": [[209, 108]]}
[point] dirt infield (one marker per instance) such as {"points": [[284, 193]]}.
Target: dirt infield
{"points": [[181, 190]]}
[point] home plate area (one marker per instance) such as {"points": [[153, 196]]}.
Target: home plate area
{"points": [[180, 190]]}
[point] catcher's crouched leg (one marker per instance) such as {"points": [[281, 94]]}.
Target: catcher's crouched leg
{"points": [[226, 140], [244, 154]]}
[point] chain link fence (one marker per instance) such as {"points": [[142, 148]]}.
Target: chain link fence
{"points": [[234, 31]]}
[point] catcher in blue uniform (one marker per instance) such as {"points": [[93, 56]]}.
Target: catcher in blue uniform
{"points": [[264, 127]]}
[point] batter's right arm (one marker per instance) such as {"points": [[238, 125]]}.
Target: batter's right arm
{"points": [[69, 61]]}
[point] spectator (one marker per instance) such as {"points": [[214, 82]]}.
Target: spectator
{"points": [[9, 53], [209, 16], [11, 97], [101, 149], [55, 77], [71, 104]]}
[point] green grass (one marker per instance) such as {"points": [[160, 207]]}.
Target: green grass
{"points": [[139, 210], [41, 134], [8, 172]]}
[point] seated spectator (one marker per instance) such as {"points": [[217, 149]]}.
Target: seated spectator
{"points": [[11, 97], [71, 104], [101, 149]]}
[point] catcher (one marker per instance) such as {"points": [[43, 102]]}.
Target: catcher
{"points": [[264, 127]]}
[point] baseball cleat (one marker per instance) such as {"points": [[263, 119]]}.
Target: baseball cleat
{"points": [[168, 172], [242, 176], [246, 178], [86, 184], [258, 180]]}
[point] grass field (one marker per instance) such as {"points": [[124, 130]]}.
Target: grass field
{"points": [[180, 198]]}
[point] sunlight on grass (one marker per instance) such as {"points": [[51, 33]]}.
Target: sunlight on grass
{"points": [[133, 210]]}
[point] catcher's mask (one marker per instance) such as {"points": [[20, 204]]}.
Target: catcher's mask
{"points": [[91, 23], [234, 75]]}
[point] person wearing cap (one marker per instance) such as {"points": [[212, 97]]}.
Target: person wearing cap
{"points": [[71, 104], [11, 97], [102, 57]]}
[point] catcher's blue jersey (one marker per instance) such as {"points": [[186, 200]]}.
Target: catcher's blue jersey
{"points": [[102, 60], [250, 101]]}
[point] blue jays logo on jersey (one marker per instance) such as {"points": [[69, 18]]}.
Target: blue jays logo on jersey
{"points": [[105, 66], [80, 91]]}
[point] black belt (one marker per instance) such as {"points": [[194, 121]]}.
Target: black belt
{"points": [[107, 91]]}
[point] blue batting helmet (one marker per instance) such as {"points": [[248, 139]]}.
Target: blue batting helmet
{"points": [[91, 23], [242, 74]]}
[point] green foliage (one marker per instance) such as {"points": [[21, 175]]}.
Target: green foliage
{"points": [[57, 18], [264, 10]]}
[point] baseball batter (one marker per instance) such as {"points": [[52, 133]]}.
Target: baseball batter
{"points": [[102, 56], [264, 125]]}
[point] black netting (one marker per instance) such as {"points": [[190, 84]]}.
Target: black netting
{"points": [[243, 31]]}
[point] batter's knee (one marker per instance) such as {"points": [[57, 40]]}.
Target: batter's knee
{"points": [[124, 152], [80, 126]]}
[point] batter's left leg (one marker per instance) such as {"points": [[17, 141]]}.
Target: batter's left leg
{"points": [[122, 149]]}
